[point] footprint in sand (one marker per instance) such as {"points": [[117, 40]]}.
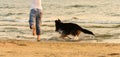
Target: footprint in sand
{"points": [[113, 54], [9, 51], [1, 55]]}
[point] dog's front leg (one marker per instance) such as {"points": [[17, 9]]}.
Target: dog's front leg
{"points": [[63, 36]]}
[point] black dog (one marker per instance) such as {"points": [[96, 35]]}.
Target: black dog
{"points": [[66, 29]]}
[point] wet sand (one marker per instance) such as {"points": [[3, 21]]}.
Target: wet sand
{"points": [[89, 14]]}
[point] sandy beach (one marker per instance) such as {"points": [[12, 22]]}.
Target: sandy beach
{"points": [[14, 48], [101, 17]]}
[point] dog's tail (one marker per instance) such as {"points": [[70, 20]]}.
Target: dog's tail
{"points": [[87, 31]]}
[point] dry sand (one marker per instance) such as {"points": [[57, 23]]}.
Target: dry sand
{"points": [[101, 17], [14, 48]]}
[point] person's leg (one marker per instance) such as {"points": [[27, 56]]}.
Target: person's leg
{"points": [[38, 23], [32, 21], [34, 30]]}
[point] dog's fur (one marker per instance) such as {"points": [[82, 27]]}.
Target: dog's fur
{"points": [[66, 29]]}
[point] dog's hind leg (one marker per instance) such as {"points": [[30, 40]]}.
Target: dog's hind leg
{"points": [[76, 38], [77, 35]]}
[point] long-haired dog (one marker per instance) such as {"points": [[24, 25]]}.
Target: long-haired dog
{"points": [[66, 29]]}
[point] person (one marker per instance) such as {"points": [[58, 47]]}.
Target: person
{"points": [[35, 18]]}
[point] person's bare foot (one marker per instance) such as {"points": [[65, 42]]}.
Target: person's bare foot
{"points": [[38, 37], [34, 31]]}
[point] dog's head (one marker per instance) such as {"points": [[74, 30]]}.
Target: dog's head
{"points": [[57, 24], [58, 21]]}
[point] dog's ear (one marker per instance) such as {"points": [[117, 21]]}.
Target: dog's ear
{"points": [[56, 20], [59, 20]]}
